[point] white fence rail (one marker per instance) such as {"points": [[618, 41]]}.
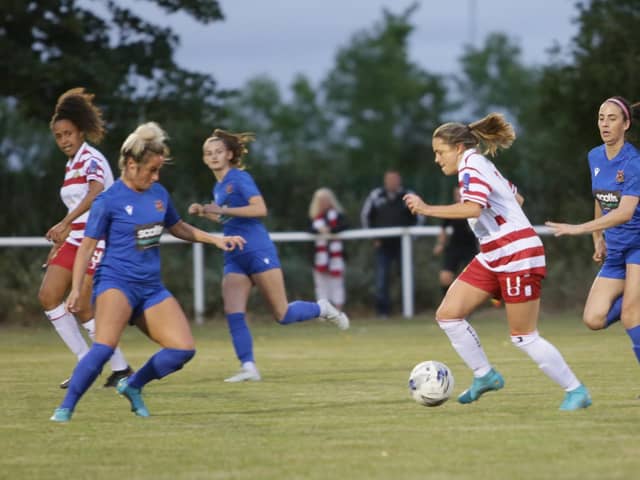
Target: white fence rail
{"points": [[406, 233]]}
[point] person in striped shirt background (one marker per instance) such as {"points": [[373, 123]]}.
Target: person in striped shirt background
{"points": [[75, 121], [327, 216], [510, 265]]}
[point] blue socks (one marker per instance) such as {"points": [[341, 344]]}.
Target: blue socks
{"points": [[634, 334], [614, 312], [240, 336], [300, 311], [164, 362], [85, 373]]}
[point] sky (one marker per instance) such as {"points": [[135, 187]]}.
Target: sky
{"points": [[281, 38]]}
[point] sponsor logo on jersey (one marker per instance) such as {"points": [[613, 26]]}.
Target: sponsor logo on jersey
{"points": [[148, 235], [620, 176], [159, 205], [607, 199]]}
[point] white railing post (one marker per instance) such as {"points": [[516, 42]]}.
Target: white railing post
{"points": [[407, 275], [198, 282]]}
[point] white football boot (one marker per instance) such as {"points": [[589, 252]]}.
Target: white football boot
{"points": [[248, 373], [332, 314]]}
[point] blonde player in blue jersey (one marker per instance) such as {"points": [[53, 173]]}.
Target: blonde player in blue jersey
{"points": [[131, 216], [615, 183], [239, 205]]}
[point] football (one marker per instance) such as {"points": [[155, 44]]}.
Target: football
{"points": [[431, 383]]}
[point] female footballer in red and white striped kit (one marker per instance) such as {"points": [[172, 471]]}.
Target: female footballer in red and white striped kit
{"points": [[87, 173], [510, 265]]}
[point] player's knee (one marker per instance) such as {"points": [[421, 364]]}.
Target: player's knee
{"points": [[47, 299], [444, 312], [594, 322]]}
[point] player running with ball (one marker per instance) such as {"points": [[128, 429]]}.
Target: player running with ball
{"points": [[510, 265]]}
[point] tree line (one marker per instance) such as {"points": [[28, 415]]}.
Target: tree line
{"points": [[374, 109]]}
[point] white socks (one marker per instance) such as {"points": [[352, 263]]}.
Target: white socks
{"points": [[67, 327], [118, 361], [465, 341], [548, 358]]}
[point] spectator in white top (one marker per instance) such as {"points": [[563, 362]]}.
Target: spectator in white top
{"points": [[75, 121]]}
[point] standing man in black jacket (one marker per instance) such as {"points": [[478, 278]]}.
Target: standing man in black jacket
{"points": [[384, 207]]}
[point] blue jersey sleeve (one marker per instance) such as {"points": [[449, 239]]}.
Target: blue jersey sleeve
{"points": [[171, 217], [98, 221], [248, 186]]}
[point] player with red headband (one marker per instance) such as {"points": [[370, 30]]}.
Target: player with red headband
{"points": [[615, 183]]}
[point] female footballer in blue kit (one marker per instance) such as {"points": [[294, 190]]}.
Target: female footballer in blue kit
{"points": [[239, 205], [615, 183], [131, 216]]}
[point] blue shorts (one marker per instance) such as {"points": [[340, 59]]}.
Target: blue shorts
{"points": [[616, 261], [141, 296], [249, 263]]}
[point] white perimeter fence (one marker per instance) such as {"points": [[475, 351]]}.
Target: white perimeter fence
{"points": [[406, 233]]}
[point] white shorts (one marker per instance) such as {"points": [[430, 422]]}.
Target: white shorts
{"points": [[330, 287]]}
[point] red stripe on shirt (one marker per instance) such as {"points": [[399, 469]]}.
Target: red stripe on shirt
{"points": [[507, 239], [520, 255]]}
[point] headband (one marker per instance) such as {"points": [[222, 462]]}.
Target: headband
{"points": [[624, 108]]}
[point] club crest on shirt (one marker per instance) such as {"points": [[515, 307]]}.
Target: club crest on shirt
{"points": [[159, 205], [466, 180], [129, 209], [229, 188], [596, 171], [620, 176], [93, 167]]}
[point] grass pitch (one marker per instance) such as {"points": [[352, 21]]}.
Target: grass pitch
{"points": [[332, 405]]}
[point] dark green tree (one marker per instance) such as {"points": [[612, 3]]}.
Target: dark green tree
{"points": [[49, 46], [386, 105]]}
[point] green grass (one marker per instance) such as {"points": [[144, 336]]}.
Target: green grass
{"points": [[333, 405]]}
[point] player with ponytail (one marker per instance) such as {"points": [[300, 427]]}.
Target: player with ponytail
{"points": [[511, 263]]}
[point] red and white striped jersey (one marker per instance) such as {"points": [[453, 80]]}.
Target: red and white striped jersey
{"points": [[508, 242], [86, 166]]}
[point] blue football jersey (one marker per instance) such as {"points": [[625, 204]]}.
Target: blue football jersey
{"points": [[131, 223], [612, 179], [235, 190]]}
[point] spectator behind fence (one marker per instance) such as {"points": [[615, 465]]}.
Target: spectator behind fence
{"points": [[384, 207], [327, 216], [458, 245]]}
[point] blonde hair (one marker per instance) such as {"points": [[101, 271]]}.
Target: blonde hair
{"points": [[314, 207], [77, 106], [492, 132], [148, 139], [235, 142]]}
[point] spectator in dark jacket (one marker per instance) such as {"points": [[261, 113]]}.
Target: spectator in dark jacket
{"points": [[384, 207]]}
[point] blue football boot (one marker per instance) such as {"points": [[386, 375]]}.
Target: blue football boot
{"points": [[134, 395], [576, 399], [491, 381]]}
